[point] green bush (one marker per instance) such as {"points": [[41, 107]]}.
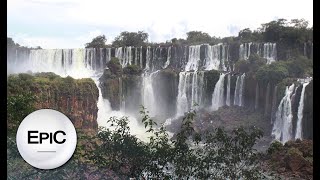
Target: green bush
{"points": [[115, 66], [223, 156], [272, 73], [132, 70], [274, 147]]}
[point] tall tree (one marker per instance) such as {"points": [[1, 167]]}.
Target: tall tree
{"points": [[97, 42], [126, 38], [198, 37]]}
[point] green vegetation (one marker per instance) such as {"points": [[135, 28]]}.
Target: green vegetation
{"points": [[223, 155], [18, 107], [126, 38], [97, 42], [115, 66], [132, 70], [299, 67], [274, 147]]}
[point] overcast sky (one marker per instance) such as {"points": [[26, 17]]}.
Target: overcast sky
{"points": [[72, 23]]}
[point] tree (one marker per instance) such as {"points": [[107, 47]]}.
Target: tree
{"points": [[194, 37], [97, 42], [126, 38], [245, 33], [10, 43]]}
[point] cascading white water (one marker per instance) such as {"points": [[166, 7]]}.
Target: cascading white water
{"points": [[136, 56], [73, 64], [218, 93], [194, 58], [241, 89], [124, 54], [245, 51], [182, 101], [228, 103], [299, 134], [196, 88], [148, 59], [119, 54], [238, 92], [148, 97], [282, 127], [141, 62], [105, 113], [190, 90], [270, 52], [216, 56], [168, 58]]}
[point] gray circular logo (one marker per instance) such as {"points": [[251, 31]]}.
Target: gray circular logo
{"points": [[46, 139]]}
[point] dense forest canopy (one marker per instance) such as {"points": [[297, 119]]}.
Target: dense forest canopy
{"points": [[290, 33]]}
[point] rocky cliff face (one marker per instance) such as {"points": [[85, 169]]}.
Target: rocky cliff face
{"points": [[294, 160], [77, 99], [308, 112]]}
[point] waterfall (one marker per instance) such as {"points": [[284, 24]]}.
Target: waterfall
{"points": [[168, 58], [194, 58], [148, 97], [124, 54], [182, 101], [244, 51], [282, 127], [196, 88], [109, 55], [141, 62], [228, 91], [256, 104], [212, 57], [241, 89], [300, 113], [148, 59], [119, 54], [305, 49], [190, 90], [238, 92], [258, 49], [216, 56], [136, 56], [270, 52], [64, 62], [218, 93]]}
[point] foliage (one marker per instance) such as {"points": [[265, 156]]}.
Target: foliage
{"points": [[18, 107], [97, 42], [211, 155], [275, 147], [132, 70], [115, 66], [272, 73], [126, 38], [242, 66], [222, 156], [199, 37], [251, 65]]}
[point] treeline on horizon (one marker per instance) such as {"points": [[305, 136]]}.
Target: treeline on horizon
{"points": [[290, 33]]}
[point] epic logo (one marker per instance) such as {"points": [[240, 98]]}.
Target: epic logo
{"points": [[46, 139], [43, 136]]}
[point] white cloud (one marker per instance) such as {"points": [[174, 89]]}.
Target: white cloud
{"points": [[163, 19]]}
